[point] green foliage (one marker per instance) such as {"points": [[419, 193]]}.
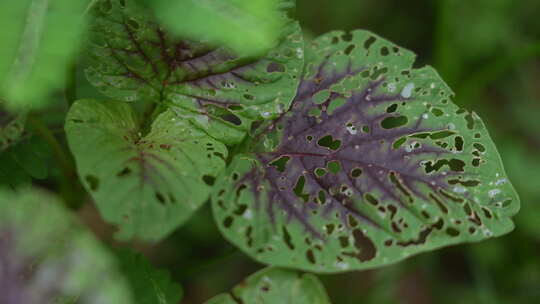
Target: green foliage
{"points": [[149, 285], [37, 49], [274, 285], [335, 155], [147, 184], [11, 127]]}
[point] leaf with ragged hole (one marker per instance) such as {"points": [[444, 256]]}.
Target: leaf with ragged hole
{"points": [[146, 184], [134, 59], [41, 41], [11, 127], [274, 285], [149, 285], [372, 164], [48, 257]]}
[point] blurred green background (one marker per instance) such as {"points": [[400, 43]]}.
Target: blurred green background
{"points": [[488, 51]]}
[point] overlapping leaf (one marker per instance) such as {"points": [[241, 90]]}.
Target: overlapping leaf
{"points": [[149, 285], [39, 40], [134, 59], [247, 27], [373, 163], [146, 184], [274, 285], [46, 257]]}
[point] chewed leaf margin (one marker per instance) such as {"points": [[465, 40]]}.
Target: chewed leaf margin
{"points": [[133, 58], [372, 164]]}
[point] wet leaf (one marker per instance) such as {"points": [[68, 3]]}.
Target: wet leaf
{"points": [[373, 163], [134, 59], [146, 184], [149, 285], [274, 285], [47, 257], [42, 38]]}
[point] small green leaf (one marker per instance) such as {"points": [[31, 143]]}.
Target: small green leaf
{"points": [[42, 38], [386, 167], [274, 285], [149, 285], [134, 59], [47, 257], [146, 184]]}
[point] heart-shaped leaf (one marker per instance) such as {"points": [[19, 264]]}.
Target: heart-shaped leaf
{"points": [[274, 285], [373, 163], [146, 184], [134, 58], [47, 257]]}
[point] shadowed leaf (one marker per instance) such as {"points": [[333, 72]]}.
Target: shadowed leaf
{"points": [[379, 165], [149, 285], [11, 127]]}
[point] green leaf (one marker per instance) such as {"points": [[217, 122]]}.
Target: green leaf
{"points": [[247, 27], [146, 184], [11, 127], [47, 257], [134, 59], [42, 38], [149, 285], [31, 158], [274, 285], [372, 164]]}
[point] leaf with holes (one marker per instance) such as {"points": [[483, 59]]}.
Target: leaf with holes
{"points": [[47, 257], [42, 39], [146, 184], [373, 163], [274, 285], [134, 58], [149, 285]]}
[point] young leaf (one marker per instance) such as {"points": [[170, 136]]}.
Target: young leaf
{"points": [[274, 285], [147, 185], [372, 164], [36, 50], [47, 257], [149, 285], [133, 58]]}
